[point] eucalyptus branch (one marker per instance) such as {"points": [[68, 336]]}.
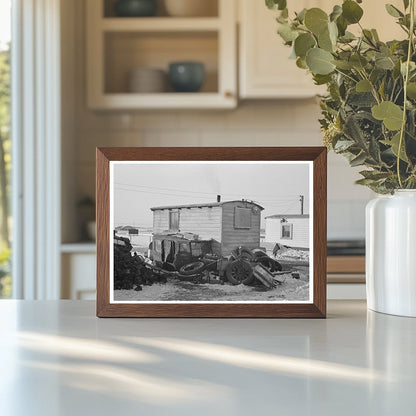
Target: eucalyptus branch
{"points": [[406, 80], [373, 88], [346, 75]]}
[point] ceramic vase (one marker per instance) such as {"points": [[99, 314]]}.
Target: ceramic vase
{"points": [[391, 253]]}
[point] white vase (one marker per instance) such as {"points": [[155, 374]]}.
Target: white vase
{"points": [[391, 253]]}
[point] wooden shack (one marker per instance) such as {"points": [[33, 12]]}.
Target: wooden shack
{"points": [[289, 230], [228, 224]]}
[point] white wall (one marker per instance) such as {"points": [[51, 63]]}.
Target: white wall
{"points": [[300, 232]]}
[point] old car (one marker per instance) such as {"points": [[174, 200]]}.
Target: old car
{"points": [[187, 255]]}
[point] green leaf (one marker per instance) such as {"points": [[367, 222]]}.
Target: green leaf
{"points": [[343, 145], [358, 160], [351, 11], [316, 20], [347, 37], [301, 15], [336, 12], [412, 67], [368, 36], [321, 79], [276, 4], [333, 32], [384, 62], [301, 63], [374, 175], [303, 43], [375, 35], [394, 145], [388, 112], [287, 33], [393, 11], [406, 4], [325, 42], [320, 61], [344, 65], [411, 90], [358, 61], [363, 86]]}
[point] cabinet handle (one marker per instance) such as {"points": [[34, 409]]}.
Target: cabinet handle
{"points": [[229, 94]]}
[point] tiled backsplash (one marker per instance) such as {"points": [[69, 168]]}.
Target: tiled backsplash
{"points": [[288, 123]]}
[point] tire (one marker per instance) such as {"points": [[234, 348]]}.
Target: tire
{"points": [[246, 254], [239, 271], [192, 268]]}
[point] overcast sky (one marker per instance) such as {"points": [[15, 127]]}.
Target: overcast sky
{"points": [[138, 187]]}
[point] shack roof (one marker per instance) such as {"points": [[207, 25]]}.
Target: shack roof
{"points": [[206, 205], [280, 216]]}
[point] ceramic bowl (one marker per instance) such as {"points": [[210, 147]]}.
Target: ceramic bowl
{"points": [[135, 8], [186, 76]]}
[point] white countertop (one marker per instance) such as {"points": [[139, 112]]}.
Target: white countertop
{"points": [[57, 358]]}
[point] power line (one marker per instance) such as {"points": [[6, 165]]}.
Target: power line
{"points": [[277, 198], [158, 193]]}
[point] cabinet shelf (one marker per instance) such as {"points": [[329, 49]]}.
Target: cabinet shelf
{"points": [[198, 100], [116, 46], [160, 24]]}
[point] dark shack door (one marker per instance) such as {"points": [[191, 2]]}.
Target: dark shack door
{"points": [[173, 220]]}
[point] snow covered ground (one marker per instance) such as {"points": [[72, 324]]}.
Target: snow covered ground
{"points": [[176, 290]]}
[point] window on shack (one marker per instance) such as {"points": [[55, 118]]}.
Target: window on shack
{"points": [[287, 231], [242, 217], [173, 220]]}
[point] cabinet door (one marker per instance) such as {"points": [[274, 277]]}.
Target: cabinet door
{"points": [[265, 68], [78, 276]]}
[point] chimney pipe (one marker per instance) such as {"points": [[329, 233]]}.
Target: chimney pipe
{"points": [[218, 198]]}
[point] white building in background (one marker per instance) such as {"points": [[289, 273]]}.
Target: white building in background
{"points": [[288, 230]]}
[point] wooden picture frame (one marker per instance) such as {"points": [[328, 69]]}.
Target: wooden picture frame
{"points": [[315, 157]]}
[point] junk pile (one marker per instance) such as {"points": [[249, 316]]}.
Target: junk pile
{"points": [[132, 270], [189, 259]]}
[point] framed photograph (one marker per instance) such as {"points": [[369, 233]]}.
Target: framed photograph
{"points": [[211, 232]]}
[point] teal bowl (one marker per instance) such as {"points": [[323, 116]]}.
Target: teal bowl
{"points": [[186, 76], [135, 8]]}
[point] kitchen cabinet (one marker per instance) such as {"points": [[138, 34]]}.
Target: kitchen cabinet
{"points": [[265, 69], [118, 45], [78, 263]]}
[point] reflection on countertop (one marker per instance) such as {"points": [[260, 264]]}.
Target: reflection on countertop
{"points": [[355, 362]]}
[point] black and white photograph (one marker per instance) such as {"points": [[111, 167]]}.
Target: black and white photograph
{"points": [[188, 231]]}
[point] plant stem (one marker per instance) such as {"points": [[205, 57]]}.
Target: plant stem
{"points": [[406, 80], [346, 75]]}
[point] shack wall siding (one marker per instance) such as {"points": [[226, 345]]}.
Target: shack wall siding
{"points": [[300, 232], [205, 222], [234, 237]]}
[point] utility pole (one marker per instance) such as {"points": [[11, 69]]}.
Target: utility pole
{"points": [[301, 200]]}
